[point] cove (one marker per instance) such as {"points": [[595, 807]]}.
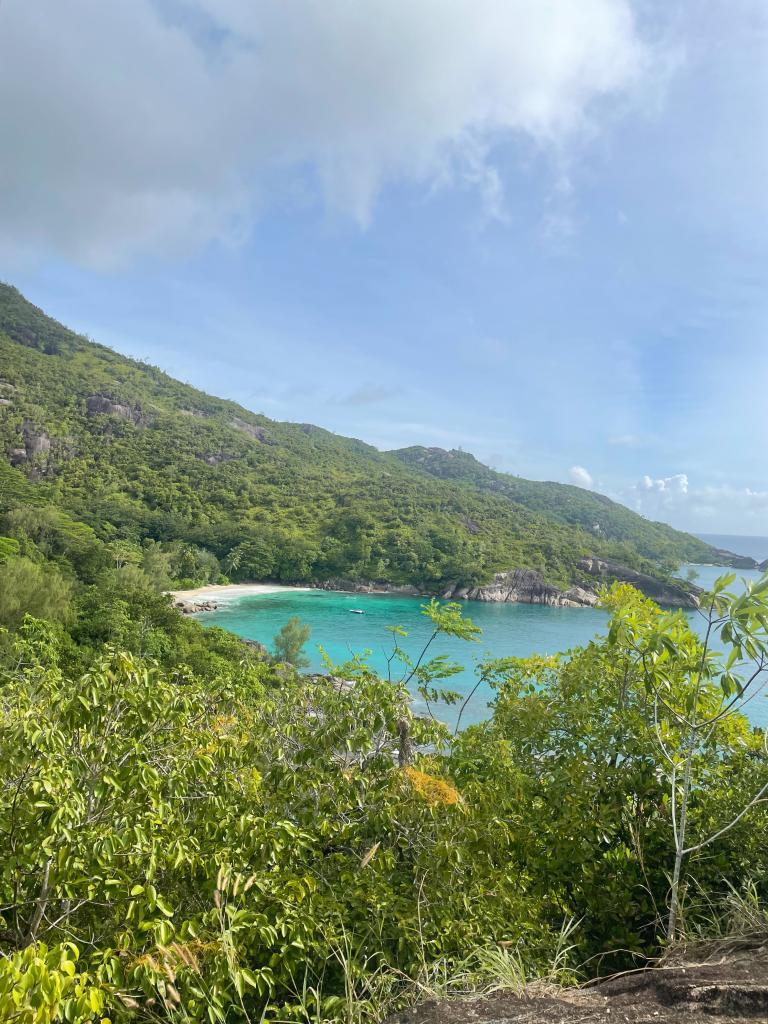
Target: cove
{"points": [[508, 630]]}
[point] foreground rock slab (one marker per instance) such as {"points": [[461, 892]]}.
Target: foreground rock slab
{"points": [[726, 990]]}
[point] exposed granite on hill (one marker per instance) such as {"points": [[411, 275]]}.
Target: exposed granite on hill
{"points": [[660, 591], [36, 441], [101, 405], [721, 990], [257, 433], [215, 458]]}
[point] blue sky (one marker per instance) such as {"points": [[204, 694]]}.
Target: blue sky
{"points": [[535, 229]]}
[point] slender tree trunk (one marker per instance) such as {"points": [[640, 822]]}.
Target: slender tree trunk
{"points": [[405, 753], [40, 904], [674, 899]]}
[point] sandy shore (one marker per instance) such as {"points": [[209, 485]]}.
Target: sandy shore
{"points": [[222, 592]]}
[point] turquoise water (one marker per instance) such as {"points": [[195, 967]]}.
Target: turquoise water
{"points": [[707, 574], [508, 629]]}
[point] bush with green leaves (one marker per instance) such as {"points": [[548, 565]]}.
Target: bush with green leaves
{"points": [[251, 843]]}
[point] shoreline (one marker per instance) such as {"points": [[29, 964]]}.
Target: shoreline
{"points": [[214, 593]]}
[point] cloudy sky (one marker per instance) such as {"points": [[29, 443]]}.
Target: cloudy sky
{"points": [[535, 229]]}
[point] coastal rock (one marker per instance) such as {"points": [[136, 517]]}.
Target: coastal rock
{"points": [[524, 586], [370, 587], [735, 561], [193, 607], [660, 591], [763, 567]]}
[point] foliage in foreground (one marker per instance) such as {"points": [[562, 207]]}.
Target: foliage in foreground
{"points": [[254, 843]]}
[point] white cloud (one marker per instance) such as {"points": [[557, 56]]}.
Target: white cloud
{"points": [[700, 507], [669, 485], [161, 124], [581, 477]]}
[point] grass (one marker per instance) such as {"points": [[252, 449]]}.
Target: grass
{"points": [[738, 918], [373, 990]]}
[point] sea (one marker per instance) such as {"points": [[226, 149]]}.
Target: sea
{"points": [[507, 629]]}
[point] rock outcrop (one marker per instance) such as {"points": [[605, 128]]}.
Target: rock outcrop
{"points": [[102, 405], [190, 607], [725, 987], [660, 591], [258, 648], [36, 441], [735, 561], [214, 458], [257, 433], [524, 586], [763, 567], [338, 683], [370, 587]]}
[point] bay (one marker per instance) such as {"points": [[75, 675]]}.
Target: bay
{"points": [[508, 630]]}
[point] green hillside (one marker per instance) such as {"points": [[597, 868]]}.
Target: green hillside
{"points": [[599, 516], [135, 456]]}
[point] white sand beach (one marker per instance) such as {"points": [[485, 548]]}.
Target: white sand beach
{"points": [[224, 592]]}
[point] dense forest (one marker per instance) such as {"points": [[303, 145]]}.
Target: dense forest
{"points": [[194, 830], [137, 458]]}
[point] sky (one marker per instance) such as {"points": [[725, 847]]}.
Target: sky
{"points": [[533, 229]]}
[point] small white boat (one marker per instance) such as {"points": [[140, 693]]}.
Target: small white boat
{"points": [[356, 611]]}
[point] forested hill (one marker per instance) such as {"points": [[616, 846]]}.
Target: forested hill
{"points": [[127, 455], [564, 503]]}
